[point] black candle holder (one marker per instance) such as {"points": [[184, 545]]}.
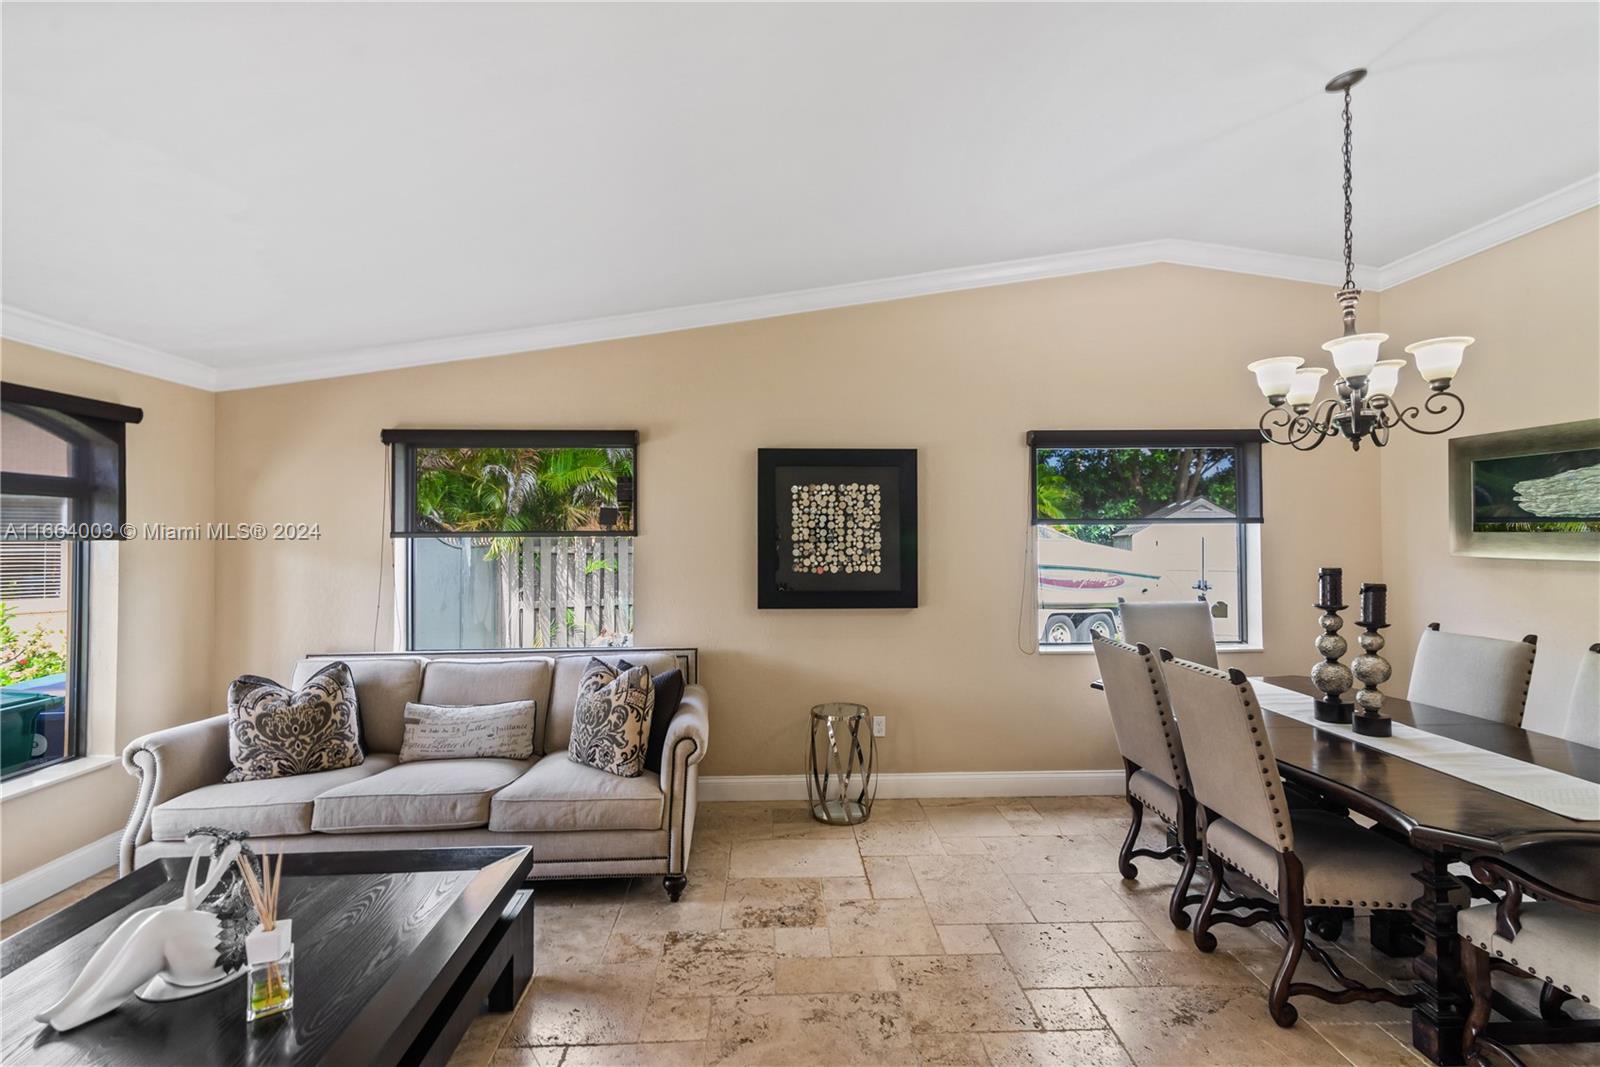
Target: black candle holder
{"points": [[1330, 676], [1370, 668]]}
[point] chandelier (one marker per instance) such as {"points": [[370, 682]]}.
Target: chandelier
{"points": [[1364, 407]]}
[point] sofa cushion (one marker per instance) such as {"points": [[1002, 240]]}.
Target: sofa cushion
{"points": [[265, 808], [558, 794], [384, 685], [461, 682], [431, 795], [564, 691]]}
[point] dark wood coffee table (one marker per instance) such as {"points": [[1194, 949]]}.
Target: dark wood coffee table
{"points": [[395, 952]]}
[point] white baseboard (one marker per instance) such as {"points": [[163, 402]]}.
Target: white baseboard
{"points": [[43, 882], [947, 784]]}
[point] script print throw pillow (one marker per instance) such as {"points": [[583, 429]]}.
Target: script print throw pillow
{"points": [[275, 732], [497, 731], [611, 723]]}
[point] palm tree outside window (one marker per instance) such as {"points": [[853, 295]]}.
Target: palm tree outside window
{"points": [[514, 538]]}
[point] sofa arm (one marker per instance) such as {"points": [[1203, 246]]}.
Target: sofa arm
{"points": [[687, 739], [169, 763]]}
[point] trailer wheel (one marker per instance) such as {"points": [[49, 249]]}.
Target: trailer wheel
{"points": [[1058, 630], [1099, 623]]}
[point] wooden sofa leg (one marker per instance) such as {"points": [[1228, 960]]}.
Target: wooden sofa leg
{"points": [[674, 884]]}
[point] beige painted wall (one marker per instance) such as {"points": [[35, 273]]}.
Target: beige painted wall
{"points": [[960, 376], [1534, 306], [164, 600]]}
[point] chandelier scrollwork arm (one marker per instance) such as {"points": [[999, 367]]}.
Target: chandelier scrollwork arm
{"points": [[1441, 404], [1302, 431]]}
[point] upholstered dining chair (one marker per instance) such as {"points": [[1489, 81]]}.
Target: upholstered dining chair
{"points": [[1183, 627], [1583, 708], [1554, 939], [1481, 676], [1155, 776], [1312, 859]]}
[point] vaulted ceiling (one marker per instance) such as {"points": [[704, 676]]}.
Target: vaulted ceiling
{"points": [[262, 192]]}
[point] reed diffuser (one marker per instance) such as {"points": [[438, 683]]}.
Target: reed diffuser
{"points": [[268, 947]]}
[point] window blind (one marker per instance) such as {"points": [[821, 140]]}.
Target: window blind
{"points": [[514, 483], [63, 464], [1145, 476]]}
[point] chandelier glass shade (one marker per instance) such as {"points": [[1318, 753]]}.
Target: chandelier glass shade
{"points": [[1363, 407]]}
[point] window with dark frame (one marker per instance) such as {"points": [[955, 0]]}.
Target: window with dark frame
{"points": [[515, 538], [1141, 515], [62, 464]]}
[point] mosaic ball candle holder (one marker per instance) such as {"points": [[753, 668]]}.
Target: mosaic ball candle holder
{"points": [[1370, 668], [1331, 677]]}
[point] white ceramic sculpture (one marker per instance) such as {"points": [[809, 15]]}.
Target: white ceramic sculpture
{"points": [[173, 950]]}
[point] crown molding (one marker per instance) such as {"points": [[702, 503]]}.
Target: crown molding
{"points": [[1553, 207], [31, 329], [34, 329], [746, 309]]}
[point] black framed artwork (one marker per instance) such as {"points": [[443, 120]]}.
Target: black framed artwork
{"points": [[836, 527]]}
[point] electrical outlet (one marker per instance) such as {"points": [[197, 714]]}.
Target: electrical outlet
{"points": [[880, 726]]}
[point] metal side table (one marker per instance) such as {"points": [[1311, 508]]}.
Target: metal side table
{"points": [[840, 761]]}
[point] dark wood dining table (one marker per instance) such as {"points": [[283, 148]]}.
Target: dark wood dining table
{"points": [[1444, 818]]}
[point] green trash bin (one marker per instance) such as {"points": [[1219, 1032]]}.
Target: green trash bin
{"points": [[20, 708]]}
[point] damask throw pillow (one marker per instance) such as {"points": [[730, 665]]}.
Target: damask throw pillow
{"points": [[611, 723], [277, 733], [669, 694], [497, 731]]}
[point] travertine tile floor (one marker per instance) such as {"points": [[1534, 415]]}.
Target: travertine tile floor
{"points": [[940, 932]]}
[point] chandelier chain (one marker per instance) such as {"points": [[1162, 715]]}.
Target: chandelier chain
{"points": [[1349, 211]]}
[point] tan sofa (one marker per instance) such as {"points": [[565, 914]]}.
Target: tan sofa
{"points": [[580, 822]]}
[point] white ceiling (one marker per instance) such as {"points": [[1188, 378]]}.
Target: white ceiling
{"points": [[274, 191]]}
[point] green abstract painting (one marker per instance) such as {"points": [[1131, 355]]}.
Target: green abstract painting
{"points": [[1544, 492]]}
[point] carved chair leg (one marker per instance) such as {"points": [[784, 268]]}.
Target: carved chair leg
{"points": [[1292, 907], [1475, 969], [1188, 841], [674, 885], [1550, 1001], [1180, 892], [1124, 861], [1204, 940]]}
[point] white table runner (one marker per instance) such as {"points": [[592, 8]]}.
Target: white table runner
{"points": [[1564, 794]]}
